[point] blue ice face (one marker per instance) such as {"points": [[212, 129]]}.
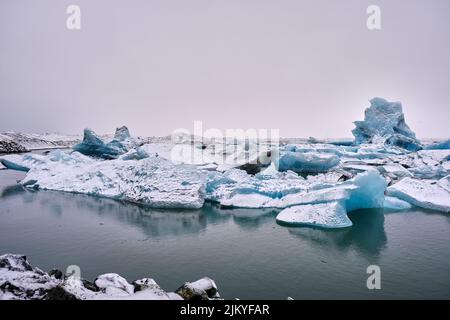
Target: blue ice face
{"points": [[385, 121]]}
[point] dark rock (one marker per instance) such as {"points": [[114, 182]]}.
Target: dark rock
{"points": [[56, 273], [59, 293]]}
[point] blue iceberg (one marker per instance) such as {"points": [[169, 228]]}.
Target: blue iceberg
{"points": [[385, 122], [93, 145], [439, 145]]}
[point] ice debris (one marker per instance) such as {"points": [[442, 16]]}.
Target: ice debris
{"points": [[307, 162], [385, 122], [439, 145], [93, 145], [21, 281], [428, 194], [325, 215]]}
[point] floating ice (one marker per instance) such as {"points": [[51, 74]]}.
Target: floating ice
{"points": [[439, 145], [324, 215], [394, 203], [307, 162], [384, 122], [93, 145], [152, 181], [428, 194]]}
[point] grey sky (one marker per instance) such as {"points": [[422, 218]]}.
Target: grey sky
{"points": [[305, 67]]}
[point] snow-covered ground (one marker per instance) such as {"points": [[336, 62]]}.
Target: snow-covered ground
{"points": [[19, 280], [11, 142]]}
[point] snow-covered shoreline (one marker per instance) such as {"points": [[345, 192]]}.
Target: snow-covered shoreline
{"points": [[19, 280]]}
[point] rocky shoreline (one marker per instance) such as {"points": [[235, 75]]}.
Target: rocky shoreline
{"points": [[19, 280]]}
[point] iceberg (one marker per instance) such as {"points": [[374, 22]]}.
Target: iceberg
{"points": [[324, 215], [152, 181], [394, 203], [439, 145], [93, 145], [307, 162], [385, 122], [428, 194]]}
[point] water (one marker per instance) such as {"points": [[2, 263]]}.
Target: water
{"points": [[245, 251]]}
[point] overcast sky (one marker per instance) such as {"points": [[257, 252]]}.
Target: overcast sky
{"points": [[307, 68]]}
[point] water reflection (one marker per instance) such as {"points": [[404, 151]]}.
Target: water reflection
{"points": [[367, 234]]}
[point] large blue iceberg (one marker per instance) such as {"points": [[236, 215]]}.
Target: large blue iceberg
{"points": [[385, 122], [93, 145]]}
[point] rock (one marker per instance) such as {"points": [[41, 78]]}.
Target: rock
{"points": [[59, 293], [203, 289], [56, 273]]}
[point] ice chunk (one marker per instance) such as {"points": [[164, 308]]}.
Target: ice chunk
{"points": [[235, 188], [427, 194], [324, 215], [396, 204], [385, 122], [307, 162], [153, 181], [30, 160], [439, 145], [368, 191], [93, 145]]}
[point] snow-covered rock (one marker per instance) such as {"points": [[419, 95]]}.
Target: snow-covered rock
{"points": [[21, 281], [385, 122], [203, 289], [428, 194]]}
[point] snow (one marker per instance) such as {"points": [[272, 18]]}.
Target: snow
{"points": [[385, 122], [21, 281], [21, 142], [428, 194], [325, 215], [152, 181], [323, 177]]}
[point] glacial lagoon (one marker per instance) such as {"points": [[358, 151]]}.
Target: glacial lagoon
{"points": [[245, 251]]}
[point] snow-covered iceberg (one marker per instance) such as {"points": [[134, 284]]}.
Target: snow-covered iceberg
{"points": [[385, 122], [93, 145], [152, 181], [428, 194], [324, 215]]}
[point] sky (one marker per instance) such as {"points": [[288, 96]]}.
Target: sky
{"points": [[305, 67]]}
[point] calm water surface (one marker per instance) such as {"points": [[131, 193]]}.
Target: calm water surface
{"points": [[244, 251]]}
